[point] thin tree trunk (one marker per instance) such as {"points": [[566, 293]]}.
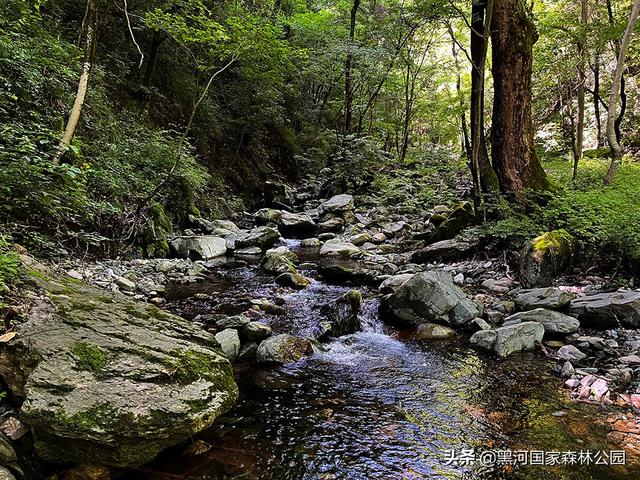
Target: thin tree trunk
{"points": [[348, 67], [484, 176], [596, 99], [158, 39], [513, 35], [614, 98], [579, 134], [83, 83], [623, 93]]}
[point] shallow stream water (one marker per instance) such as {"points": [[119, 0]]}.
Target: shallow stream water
{"points": [[379, 405]]}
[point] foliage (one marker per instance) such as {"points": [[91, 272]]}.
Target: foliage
{"points": [[9, 264], [602, 219]]}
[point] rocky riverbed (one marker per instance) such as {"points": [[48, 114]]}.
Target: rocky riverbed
{"points": [[366, 343]]}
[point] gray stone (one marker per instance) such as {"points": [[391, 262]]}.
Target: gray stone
{"points": [[279, 260], [310, 243], [282, 349], [567, 370], [570, 353], [553, 322], [255, 331], [433, 331], [5, 474], [292, 280], [445, 250], [338, 248], [296, 225], [607, 310], [338, 203], [550, 298], [360, 239], [263, 237], [106, 378], [341, 316], [332, 225], [266, 216], [505, 341], [199, 248], [429, 297], [229, 342], [391, 284], [125, 284]]}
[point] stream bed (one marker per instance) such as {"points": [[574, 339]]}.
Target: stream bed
{"points": [[378, 404]]}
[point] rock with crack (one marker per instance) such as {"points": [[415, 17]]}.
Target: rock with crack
{"points": [[555, 323], [505, 341], [549, 298], [429, 297], [608, 310], [102, 377], [279, 260]]}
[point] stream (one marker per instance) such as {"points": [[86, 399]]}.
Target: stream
{"points": [[377, 404]]}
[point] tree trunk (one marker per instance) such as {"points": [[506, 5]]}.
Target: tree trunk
{"points": [[83, 83], [484, 176], [579, 135], [158, 39], [348, 85], [596, 99], [614, 98], [514, 158]]}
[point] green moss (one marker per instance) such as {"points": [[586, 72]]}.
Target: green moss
{"points": [[89, 357], [87, 306]]}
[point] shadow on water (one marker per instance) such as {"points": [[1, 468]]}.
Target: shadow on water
{"points": [[378, 405]]}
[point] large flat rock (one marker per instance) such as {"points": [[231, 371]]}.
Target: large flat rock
{"points": [[108, 380]]}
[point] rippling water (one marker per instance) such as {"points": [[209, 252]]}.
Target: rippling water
{"points": [[379, 405]]}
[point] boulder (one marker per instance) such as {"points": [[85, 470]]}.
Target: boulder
{"points": [[225, 225], [198, 248], [429, 297], [340, 316], [394, 282], [337, 204], [255, 331], [279, 260], [607, 310], [267, 216], [263, 237], [549, 298], [104, 378], [292, 280], [505, 341], [545, 257], [296, 225], [229, 341], [460, 218], [310, 243], [338, 248], [332, 225], [360, 239], [554, 322], [283, 348], [433, 331], [445, 250], [570, 353]]}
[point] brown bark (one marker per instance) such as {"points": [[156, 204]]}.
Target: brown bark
{"points": [[484, 176], [614, 98], [514, 158]]}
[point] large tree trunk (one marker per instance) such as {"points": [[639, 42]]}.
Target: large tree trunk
{"points": [[90, 25], [484, 176], [348, 66], [614, 98], [514, 158]]}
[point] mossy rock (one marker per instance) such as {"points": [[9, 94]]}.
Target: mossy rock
{"points": [[460, 218], [545, 257], [600, 153], [113, 382]]}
